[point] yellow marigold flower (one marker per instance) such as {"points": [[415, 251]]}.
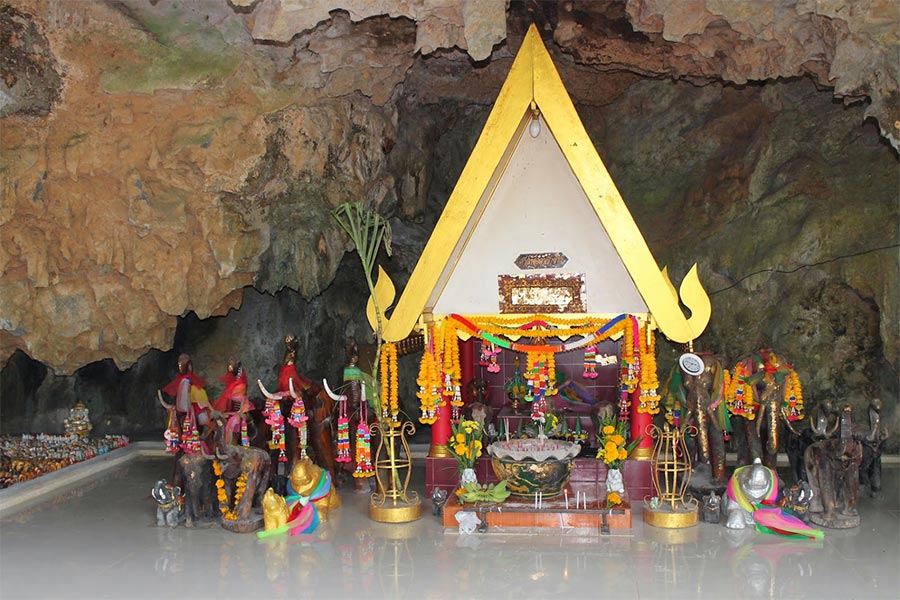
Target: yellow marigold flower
{"points": [[613, 498], [220, 484], [477, 443], [607, 429], [612, 451], [461, 449], [460, 438], [622, 454], [617, 439]]}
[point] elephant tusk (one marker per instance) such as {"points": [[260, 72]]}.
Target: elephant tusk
{"points": [[266, 392], [291, 388], [163, 402], [334, 396], [208, 456], [221, 456]]}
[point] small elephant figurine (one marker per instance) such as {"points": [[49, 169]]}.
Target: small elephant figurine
{"points": [[797, 499], [438, 500], [170, 510], [711, 511]]}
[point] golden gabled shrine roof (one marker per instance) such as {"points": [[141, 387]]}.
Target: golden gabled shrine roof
{"points": [[534, 83]]}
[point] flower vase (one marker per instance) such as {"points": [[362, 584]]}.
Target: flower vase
{"points": [[467, 476], [614, 481]]}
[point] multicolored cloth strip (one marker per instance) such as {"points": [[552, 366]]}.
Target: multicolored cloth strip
{"points": [[304, 516], [770, 518]]}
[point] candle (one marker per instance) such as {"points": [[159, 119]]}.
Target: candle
{"points": [[567, 498]]}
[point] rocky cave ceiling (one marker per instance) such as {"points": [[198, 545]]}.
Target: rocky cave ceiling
{"points": [[153, 149]]}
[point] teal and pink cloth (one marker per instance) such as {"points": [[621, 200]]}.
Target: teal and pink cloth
{"points": [[304, 516], [767, 515]]}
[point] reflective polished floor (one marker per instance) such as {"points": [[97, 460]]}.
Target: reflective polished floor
{"points": [[99, 540]]}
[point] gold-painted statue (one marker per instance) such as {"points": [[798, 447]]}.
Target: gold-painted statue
{"points": [[306, 479], [275, 510]]}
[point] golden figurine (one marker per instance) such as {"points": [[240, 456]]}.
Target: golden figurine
{"points": [[275, 510], [306, 477]]}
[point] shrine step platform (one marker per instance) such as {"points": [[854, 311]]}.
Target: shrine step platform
{"points": [[552, 514]]}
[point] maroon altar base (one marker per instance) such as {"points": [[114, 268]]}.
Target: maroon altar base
{"points": [[521, 512], [588, 474]]}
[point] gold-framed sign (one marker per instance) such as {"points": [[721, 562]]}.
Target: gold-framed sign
{"points": [[557, 293], [541, 260]]}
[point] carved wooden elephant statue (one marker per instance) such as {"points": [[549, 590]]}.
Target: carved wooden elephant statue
{"points": [[244, 471], [763, 390]]}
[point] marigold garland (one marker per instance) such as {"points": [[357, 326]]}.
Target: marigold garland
{"points": [[429, 393], [649, 399], [491, 326], [608, 329], [739, 393], [390, 407], [630, 359], [638, 352], [228, 513], [793, 397], [451, 368]]}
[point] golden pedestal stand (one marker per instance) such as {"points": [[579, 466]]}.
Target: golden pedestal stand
{"points": [[671, 473], [392, 503]]}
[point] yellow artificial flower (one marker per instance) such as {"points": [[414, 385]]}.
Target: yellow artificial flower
{"points": [[460, 438], [612, 451], [622, 454], [617, 439], [613, 498], [607, 429], [461, 449], [477, 444]]}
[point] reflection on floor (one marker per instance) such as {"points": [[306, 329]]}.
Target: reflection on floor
{"points": [[100, 540]]}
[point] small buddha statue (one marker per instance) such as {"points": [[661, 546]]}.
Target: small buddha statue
{"points": [[78, 424]]}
